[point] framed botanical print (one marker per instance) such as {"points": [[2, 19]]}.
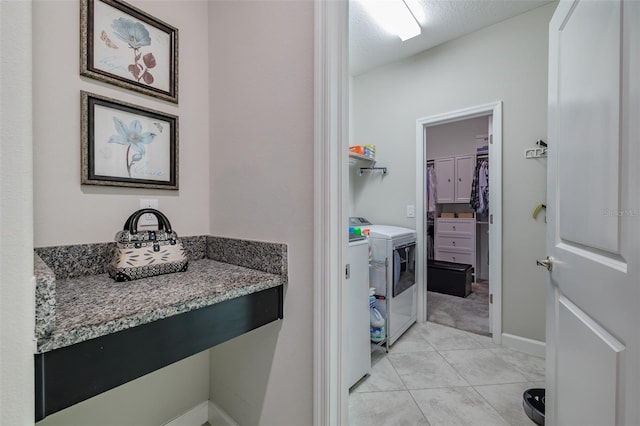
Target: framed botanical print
{"points": [[126, 145], [124, 46]]}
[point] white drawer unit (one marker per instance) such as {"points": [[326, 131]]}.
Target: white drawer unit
{"points": [[453, 243], [455, 240], [455, 227]]}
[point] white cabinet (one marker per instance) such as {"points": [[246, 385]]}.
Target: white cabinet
{"points": [[454, 176], [445, 180], [456, 240]]}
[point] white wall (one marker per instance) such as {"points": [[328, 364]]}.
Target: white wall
{"points": [[68, 213], [65, 211], [16, 218], [262, 188], [508, 62], [458, 138]]}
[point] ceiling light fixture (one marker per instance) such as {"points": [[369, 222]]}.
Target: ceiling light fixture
{"points": [[394, 16]]}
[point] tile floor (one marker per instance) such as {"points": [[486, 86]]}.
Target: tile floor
{"points": [[437, 375]]}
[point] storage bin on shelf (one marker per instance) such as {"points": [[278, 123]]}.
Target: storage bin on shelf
{"points": [[367, 151]]}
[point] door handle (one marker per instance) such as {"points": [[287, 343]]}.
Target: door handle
{"points": [[546, 262]]}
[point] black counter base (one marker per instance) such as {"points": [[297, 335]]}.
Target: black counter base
{"points": [[75, 373]]}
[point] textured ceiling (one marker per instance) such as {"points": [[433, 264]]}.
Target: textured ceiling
{"points": [[441, 20]]}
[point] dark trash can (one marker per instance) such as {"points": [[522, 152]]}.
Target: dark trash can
{"points": [[449, 277], [533, 402]]}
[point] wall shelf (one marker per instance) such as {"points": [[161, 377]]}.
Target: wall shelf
{"points": [[353, 158]]}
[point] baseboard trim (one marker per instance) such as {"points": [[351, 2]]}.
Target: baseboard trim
{"points": [[218, 417], [197, 416], [522, 344]]}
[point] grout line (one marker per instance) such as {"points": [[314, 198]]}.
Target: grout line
{"points": [[491, 405], [380, 391], [424, 415], [396, 371], [455, 369], [506, 383]]}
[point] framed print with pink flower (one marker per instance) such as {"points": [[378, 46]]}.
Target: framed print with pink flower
{"points": [[126, 145], [124, 46]]}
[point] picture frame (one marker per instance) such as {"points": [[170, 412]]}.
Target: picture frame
{"points": [[125, 46], [127, 145]]}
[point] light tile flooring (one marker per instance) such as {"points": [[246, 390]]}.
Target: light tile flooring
{"points": [[437, 375]]}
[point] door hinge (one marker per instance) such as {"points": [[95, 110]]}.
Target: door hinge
{"points": [[491, 219], [491, 139], [347, 271], [491, 299]]}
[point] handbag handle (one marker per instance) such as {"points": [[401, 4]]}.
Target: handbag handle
{"points": [[131, 224]]}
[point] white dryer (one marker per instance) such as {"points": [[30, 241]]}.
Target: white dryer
{"points": [[393, 274]]}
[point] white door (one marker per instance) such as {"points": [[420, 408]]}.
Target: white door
{"points": [[593, 295], [465, 168]]}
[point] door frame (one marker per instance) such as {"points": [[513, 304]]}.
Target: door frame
{"points": [[495, 201], [331, 173]]}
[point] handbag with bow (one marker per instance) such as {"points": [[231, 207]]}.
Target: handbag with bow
{"points": [[140, 254]]}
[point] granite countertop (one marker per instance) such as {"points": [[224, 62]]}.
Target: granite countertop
{"points": [[80, 308]]}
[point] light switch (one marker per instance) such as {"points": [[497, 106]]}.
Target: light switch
{"points": [[411, 210]]}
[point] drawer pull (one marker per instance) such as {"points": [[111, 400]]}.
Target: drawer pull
{"points": [[454, 228]]}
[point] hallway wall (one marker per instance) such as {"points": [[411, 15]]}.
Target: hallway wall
{"points": [[262, 188], [16, 216], [66, 212], [69, 213]]}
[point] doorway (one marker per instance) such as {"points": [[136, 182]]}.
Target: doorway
{"points": [[488, 226]]}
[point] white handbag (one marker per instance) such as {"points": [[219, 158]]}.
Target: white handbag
{"points": [[141, 254]]}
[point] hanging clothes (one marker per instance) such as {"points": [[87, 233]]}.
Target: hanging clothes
{"points": [[483, 187], [431, 188], [480, 188]]}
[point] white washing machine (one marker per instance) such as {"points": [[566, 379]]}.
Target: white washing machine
{"points": [[393, 274]]}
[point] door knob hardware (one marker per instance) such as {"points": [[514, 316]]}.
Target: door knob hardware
{"points": [[546, 263]]}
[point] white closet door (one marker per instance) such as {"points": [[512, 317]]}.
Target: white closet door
{"points": [[445, 175], [465, 167]]}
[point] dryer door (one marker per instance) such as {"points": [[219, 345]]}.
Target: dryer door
{"points": [[404, 268]]}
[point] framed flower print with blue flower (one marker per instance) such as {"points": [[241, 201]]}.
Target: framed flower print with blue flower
{"points": [[124, 46], [126, 145]]}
